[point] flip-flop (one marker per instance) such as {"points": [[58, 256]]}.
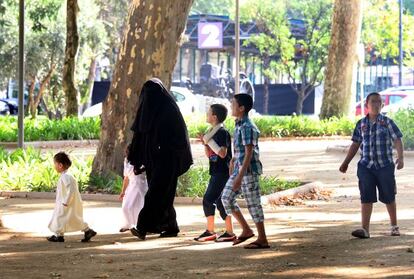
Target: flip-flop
{"points": [[256, 245], [241, 239]]}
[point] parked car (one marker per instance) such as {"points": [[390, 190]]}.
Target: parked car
{"points": [[185, 99], [12, 104], [4, 108], [407, 102], [390, 96]]}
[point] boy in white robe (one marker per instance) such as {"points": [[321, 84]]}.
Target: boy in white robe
{"points": [[68, 212]]}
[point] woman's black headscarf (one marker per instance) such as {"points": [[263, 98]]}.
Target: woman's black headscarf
{"points": [[159, 125]]}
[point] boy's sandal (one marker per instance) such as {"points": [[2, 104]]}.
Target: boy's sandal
{"points": [[360, 233], [256, 245], [241, 239]]}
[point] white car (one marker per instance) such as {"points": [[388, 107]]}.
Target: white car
{"points": [[185, 99], [407, 102]]}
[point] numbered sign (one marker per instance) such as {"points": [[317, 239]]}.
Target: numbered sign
{"points": [[210, 35]]}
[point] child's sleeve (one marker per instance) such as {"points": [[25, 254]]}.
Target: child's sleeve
{"points": [[357, 136], [394, 130], [70, 184], [250, 136]]}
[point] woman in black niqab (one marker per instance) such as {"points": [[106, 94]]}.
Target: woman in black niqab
{"points": [[161, 147]]}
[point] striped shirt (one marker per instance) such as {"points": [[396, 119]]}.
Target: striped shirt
{"points": [[376, 139], [246, 133]]}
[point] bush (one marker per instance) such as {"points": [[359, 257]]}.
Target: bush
{"points": [[44, 129], [29, 170], [405, 121], [194, 183]]}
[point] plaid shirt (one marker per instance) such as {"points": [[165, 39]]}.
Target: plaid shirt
{"points": [[376, 140], [246, 133]]}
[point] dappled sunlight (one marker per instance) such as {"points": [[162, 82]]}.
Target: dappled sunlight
{"points": [[347, 272], [267, 255]]}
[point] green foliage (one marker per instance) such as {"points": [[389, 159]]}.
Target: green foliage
{"points": [[45, 129], [215, 7], [29, 170], [195, 181], [405, 121], [283, 126], [380, 28]]}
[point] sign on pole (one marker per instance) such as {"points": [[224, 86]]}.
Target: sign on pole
{"points": [[210, 35]]}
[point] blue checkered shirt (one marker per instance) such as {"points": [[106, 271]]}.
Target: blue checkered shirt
{"points": [[376, 141], [246, 133]]}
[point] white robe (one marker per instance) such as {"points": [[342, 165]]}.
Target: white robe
{"points": [[67, 218], [133, 200]]}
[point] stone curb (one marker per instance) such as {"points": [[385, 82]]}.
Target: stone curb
{"points": [[86, 143], [98, 197], [345, 148], [178, 200]]}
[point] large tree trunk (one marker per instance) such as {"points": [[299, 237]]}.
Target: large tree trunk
{"points": [[299, 102], [346, 28], [149, 49], [72, 43]]}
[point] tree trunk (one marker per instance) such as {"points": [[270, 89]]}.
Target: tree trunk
{"points": [[266, 65], [149, 49], [72, 43], [43, 84], [301, 98], [91, 81], [346, 29], [31, 95]]}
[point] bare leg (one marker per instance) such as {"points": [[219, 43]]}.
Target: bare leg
{"points": [[210, 223], [392, 211], [246, 230], [229, 224], [366, 211]]}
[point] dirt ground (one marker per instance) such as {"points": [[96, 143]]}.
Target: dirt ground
{"points": [[307, 241]]}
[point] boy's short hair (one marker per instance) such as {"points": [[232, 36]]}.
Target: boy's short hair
{"points": [[372, 94], [244, 100], [220, 111], [63, 158]]}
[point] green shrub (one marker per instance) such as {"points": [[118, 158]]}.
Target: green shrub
{"points": [[194, 183], [405, 121], [44, 129]]}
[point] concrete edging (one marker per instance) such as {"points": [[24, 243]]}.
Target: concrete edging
{"points": [[345, 148], [178, 200], [85, 143]]}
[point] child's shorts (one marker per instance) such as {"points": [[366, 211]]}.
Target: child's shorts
{"points": [[371, 179]]}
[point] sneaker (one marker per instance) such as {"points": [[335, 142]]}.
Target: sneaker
{"points": [[206, 236], [360, 233], [226, 237], [395, 231], [55, 238], [88, 235]]}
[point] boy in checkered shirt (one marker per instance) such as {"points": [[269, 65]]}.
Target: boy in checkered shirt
{"points": [[245, 169], [376, 134]]}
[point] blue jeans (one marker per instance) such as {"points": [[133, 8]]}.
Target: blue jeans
{"points": [[212, 197]]}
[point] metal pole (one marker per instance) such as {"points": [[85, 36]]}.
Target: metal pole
{"points": [[21, 75], [401, 44], [237, 51]]}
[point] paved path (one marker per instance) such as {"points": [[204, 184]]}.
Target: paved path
{"points": [[308, 241]]}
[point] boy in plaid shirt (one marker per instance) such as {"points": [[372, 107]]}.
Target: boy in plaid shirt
{"points": [[376, 134], [245, 169]]}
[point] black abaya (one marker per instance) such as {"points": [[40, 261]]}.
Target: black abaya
{"points": [[161, 146]]}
